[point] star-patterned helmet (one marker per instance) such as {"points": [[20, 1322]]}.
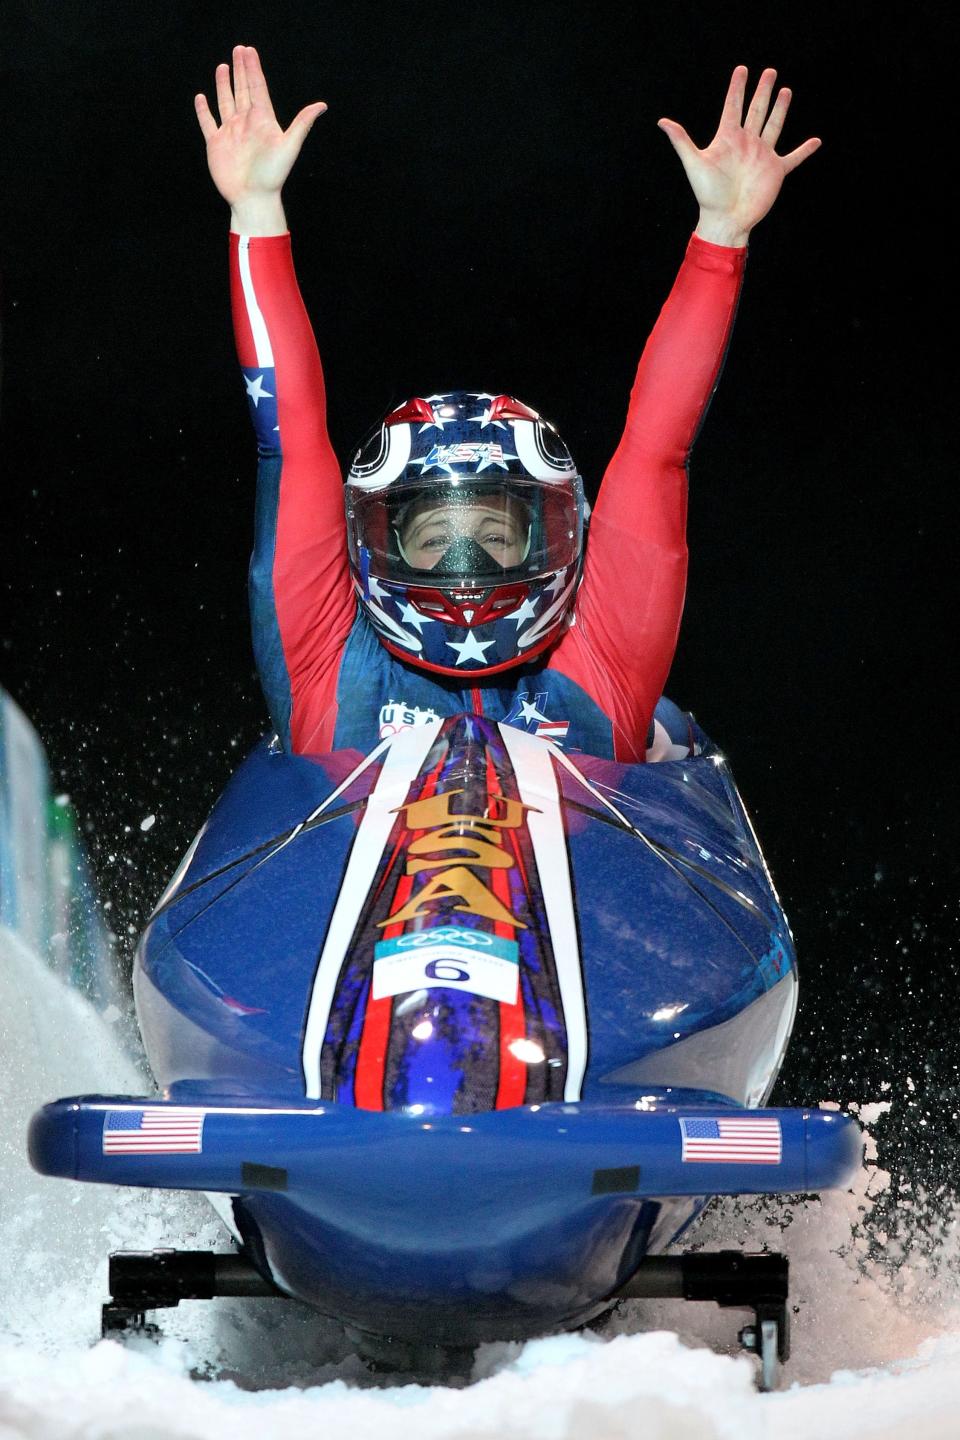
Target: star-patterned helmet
{"points": [[465, 527]]}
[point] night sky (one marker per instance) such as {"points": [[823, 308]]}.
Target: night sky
{"points": [[489, 203]]}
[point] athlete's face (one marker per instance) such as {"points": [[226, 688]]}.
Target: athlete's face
{"points": [[498, 525]]}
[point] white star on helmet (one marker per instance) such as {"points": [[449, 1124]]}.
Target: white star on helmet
{"points": [[489, 460], [469, 649], [484, 420], [410, 616], [527, 611]]}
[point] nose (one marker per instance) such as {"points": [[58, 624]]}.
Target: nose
{"points": [[465, 557]]}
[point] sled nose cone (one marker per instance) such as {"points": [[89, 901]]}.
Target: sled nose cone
{"points": [[834, 1149], [52, 1140]]}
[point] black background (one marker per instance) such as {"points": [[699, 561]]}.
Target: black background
{"points": [[488, 202]]}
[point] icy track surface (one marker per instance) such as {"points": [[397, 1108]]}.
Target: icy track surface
{"points": [[874, 1356]]}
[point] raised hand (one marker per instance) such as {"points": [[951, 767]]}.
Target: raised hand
{"points": [[738, 176], [249, 154]]}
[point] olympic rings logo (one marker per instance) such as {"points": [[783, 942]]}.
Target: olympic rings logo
{"points": [[448, 935]]}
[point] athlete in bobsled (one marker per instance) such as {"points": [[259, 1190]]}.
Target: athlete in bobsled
{"points": [[378, 1019], [454, 577]]}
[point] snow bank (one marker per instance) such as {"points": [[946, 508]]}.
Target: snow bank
{"points": [[240, 1370], [568, 1388], [52, 1043]]}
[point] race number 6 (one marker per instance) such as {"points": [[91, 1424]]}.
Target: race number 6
{"points": [[446, 972]]}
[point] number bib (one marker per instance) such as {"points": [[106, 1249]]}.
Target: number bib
{"points": [[448, 956]]}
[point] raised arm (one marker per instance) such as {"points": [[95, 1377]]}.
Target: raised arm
{"points": [[301, 599], [631, 599]]}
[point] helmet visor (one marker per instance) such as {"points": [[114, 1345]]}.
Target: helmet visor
{"points": [[460, 534]]}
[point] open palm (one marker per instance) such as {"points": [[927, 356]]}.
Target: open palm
{"points": [[739, 174], [248, 153]]}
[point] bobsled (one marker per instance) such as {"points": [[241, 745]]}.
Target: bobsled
{"points": [[459, 1036]]}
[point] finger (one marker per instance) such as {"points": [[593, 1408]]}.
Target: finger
{"points": [[225, 102], [300, 126], [733, 104], [678, 138], [208, 125], [256, 80], [241, 89], [760, 103], [802, 152], [770, 133]]}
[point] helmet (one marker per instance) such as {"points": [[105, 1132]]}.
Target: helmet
{"points": [[465, 528]]}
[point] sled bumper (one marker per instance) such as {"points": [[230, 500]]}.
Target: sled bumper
{"points": [[583, 1149]]}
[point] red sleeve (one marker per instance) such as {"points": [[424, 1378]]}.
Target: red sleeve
{"points": [[628, 608], [301, 595]]}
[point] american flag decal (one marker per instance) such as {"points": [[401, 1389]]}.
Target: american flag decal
{"points": [[732, 1140], [555, 730], [163, 1130]]}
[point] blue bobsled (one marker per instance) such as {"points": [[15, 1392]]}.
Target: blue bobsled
{"points": [[460, 1033]]}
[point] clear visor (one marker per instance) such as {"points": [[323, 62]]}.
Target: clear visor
{"points": [[504, 533]]}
